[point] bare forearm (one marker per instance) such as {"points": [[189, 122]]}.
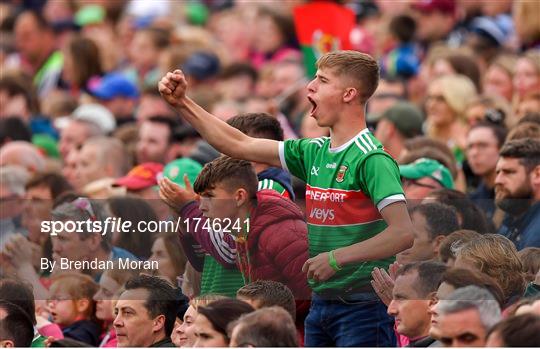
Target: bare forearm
{"points": [[388, 243], [217, 133], [227, 139]]}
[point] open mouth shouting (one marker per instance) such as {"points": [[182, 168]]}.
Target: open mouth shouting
{"points": [[313, 106]]}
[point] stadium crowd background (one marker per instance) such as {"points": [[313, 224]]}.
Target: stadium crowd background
{"points": [[85, 134]]}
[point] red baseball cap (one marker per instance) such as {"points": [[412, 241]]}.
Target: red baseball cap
{"points": [[141, 176], [444, 6]]}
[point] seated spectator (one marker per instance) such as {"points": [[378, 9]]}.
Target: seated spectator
{"points": [[432, 222], [277, 249], [16, 328], [447, 99], [455, 278], [111, 282], [156, 139], [422, 177], [497, 257], [484, 142], [517, 191], [487, 109], [400, 122], [41, 191], [99, 158], [452, 243], [74, 133], [72, 307], [12, 191], [468, 214], [213, 320], [413, 293], [266, 327], [85, 245], [145, 313], [183, 334], [169, 254], [515, 331], [466, 316]]}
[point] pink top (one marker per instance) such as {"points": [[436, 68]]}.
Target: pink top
{"points": [[51, 330], [109, 339]]}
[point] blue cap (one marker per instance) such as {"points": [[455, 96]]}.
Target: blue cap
{"points": [[114, 85], [201, 65]]}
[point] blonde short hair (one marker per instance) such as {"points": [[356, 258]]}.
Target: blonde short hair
{"points": [[458, 91], [361, 67]]}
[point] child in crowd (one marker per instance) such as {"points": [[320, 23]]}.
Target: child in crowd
{"points": [[72, 307]]}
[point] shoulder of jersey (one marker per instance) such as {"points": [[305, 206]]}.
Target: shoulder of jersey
{"points": [[365, 143], [319, 141]]}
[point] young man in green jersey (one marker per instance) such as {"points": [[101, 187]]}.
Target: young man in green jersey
{"points": [[356, 211]]}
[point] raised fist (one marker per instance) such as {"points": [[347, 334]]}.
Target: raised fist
{"points": [[173, 87]]}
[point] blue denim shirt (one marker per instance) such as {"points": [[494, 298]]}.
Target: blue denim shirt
{"points": [[525, 230]]}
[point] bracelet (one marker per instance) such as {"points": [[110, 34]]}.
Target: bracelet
{"points": [[332, 261]]}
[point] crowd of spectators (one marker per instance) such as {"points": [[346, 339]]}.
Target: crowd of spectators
{"points": [[85, 136]]}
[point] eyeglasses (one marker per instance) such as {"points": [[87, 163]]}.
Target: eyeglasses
{"points": [[57, 299]]}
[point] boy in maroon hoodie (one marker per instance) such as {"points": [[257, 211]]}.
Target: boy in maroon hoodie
{"points": [[261, 232]]}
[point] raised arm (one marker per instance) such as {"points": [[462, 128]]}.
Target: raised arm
{"points": [[219, 134]]}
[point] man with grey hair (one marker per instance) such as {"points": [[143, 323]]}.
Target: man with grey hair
{"points": [[12, 189], [75, 132], [85, 244], [101, 157], [466, 316]]}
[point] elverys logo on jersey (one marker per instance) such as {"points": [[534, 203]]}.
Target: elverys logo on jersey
{"points": [[339, 207], [341, 173]]}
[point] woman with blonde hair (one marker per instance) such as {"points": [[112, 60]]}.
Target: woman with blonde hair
{"points": [[527, 75], [445, 106], [183, 334], [496, 256]]}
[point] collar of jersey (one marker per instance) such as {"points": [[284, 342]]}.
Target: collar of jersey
{"points": [[346, 144]]}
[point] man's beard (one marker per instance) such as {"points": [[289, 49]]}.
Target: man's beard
{"points": [[514, 203]]}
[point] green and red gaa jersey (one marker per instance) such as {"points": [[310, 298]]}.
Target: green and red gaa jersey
{"points": [[346, 187]]}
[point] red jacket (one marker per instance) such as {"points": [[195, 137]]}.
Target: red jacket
{"points": [[277, 244]]}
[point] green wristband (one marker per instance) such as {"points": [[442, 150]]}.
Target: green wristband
{"points": [[332, 261]]}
